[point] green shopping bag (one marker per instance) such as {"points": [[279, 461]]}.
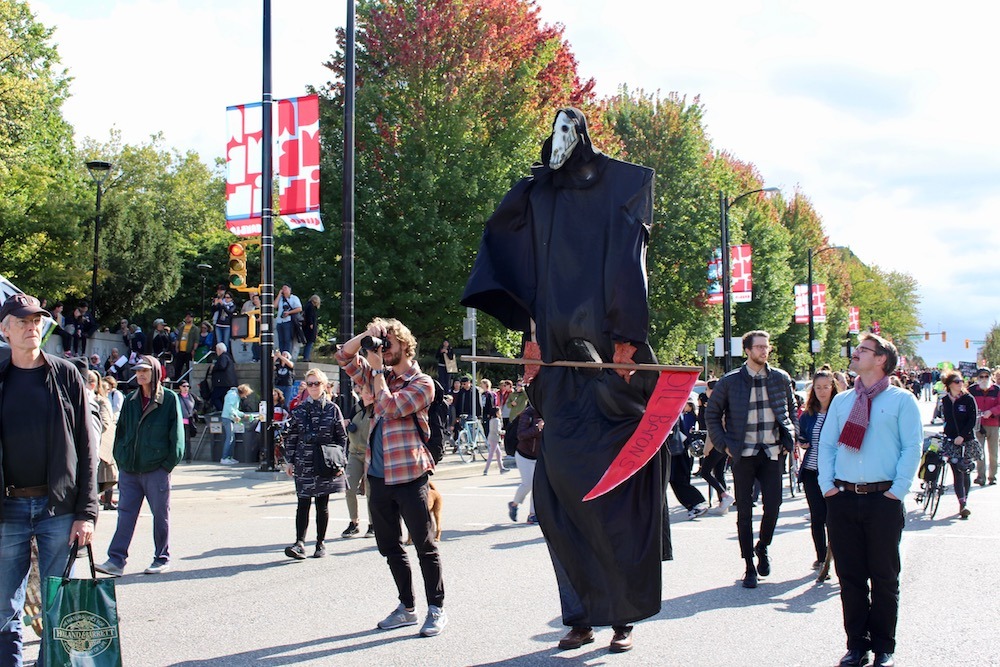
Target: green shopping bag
{"points": [[81, 620]]}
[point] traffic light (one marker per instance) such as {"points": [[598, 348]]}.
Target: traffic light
{"points": [[927, 336], [237, 265], [944, 336]]}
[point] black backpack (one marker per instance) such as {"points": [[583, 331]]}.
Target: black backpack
{"points": [[437, 417]]}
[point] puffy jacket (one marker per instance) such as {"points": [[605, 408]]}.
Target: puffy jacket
{"points": [[152, 438], [72, 449], [731, 400]]}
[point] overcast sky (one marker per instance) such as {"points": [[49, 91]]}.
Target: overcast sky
{"points": [[884, 113]]}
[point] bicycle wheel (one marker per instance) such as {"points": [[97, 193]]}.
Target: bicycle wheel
{"points": [[465, 450], [938, 491], [791, 476]]}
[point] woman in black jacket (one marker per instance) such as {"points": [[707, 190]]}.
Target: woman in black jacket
{"points": [[960, 416], [317, 420]]}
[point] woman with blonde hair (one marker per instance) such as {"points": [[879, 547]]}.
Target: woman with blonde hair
{"points": [[315, 422]]}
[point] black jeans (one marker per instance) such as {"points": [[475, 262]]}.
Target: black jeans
{"points": [[680, 481], [713, 471], [817, 510], [865, 530], [963, 480], [746, 471], [390, 503], [302, 518]]}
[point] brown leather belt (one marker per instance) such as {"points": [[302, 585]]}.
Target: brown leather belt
{"points": [[871, 487], [26, 491]]}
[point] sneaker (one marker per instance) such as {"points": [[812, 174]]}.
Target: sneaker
{"points": [[399, 618], [727, 502], [296, 551], [157, 567], [227, 462], [697, 510], [436, 620], [109, 568], [512, 510], [503, 470], [351, 530], [532, 519], [320, 550], [371, 531]]}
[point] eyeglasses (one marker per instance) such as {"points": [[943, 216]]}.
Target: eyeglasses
{"points": [[313, 384], [958, 381], [760, 347], [866, 349]]}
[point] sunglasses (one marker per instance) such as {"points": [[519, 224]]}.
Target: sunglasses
{"points": [[185, 386], [313, 384], [983, 377]]}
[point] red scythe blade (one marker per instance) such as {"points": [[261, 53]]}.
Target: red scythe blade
{"points": [[671, 393]]}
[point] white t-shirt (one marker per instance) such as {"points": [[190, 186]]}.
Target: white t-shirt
{"points": [[292, 303]]}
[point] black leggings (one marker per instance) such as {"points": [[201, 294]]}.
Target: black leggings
{"points": [[302, 518], [817, 510], [713, 471], [963, 481]]}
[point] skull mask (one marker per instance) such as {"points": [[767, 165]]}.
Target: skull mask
{"points": [[564, 139]]}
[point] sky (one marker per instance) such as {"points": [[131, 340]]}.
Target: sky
{"points": [[882, 113]]}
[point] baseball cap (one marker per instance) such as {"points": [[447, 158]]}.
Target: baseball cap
{"points": [[141, 365], [984, 371], [22, 305]]}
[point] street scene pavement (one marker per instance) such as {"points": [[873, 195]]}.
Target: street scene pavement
{"points": [[234, 598]]}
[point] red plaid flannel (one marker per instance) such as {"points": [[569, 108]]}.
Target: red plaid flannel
{"points": [[404, 455]]}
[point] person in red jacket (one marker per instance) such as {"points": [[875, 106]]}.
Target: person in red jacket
{"points": [[987, 395]]}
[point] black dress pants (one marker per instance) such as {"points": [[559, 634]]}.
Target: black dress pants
{"points": [[865, 531], [390, 503], [680, 481], [746, 471]]}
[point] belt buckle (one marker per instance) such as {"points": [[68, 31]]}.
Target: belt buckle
{"points": [[861, 488]]}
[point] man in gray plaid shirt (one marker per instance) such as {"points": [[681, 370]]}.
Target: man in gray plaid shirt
{"points": [[751, 414]]}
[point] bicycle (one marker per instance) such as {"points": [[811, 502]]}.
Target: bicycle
{"points": [[471, 440], [934, 472]]}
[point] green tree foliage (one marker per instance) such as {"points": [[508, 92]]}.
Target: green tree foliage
{"points": [[991, 349], [453, 101], [668, 135], [42, 211]]}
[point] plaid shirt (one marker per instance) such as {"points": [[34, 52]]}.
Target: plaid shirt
{"points": [[404, 455], [761, 428]]}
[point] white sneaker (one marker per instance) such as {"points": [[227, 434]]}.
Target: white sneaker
{"points": [[399, 618], [157, 567], [436, 620], [228, 462], [727, 502], [697, 511]]}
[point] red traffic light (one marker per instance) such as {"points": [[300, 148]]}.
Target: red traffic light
{"points": [[237, 250]]}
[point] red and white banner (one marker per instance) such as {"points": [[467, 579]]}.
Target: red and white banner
{"points": [[741, 272], [818, 304], [295, 162], [853, 320]]}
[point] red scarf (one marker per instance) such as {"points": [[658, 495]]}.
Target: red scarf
{"points": [[857, 422]]}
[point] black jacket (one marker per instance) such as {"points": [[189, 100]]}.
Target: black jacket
{"points": [[729, 403], [224, 372], [72, 450]]}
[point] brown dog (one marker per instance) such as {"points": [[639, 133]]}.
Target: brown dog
{"points": [[434, 504]]}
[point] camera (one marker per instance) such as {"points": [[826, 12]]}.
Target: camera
{"points": [[372, 344]]}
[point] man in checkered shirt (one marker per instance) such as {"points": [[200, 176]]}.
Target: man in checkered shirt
{"points": [[397, 464], [752, 414]]}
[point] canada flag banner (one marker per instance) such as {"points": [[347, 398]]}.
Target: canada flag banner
{"points": [[295, 162]]}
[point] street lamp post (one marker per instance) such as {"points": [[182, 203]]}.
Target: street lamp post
{"points": [[727, 325], [809, 304], [204, 268], [99, 171]]}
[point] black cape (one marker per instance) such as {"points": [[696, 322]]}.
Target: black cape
{"points": [[567, 249]]}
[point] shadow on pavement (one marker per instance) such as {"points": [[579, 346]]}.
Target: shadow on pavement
{"points": [[735, 596]]}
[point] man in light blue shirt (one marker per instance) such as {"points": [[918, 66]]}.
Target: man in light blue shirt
{"points": [[286, 306], [869, 451]]}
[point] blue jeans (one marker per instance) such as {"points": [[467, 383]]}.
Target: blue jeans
{"points": [[24, 518], [222, 335], [154, 487], [285, 334], [227, 438]]}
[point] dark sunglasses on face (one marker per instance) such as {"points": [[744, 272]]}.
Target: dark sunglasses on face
{"points": [[313, 384], [984, 377]]}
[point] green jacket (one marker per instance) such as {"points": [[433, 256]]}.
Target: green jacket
{"points": [[150, 439]]}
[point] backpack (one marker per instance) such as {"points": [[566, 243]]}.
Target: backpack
{"points": [[437, 418]]}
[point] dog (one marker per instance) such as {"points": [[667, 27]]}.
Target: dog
{"points": [[435, 505]]}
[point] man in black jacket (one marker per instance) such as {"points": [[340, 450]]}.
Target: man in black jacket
{"points": [[43, 409], [751, 414]]}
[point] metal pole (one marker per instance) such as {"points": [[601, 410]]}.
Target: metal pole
{"points": [[97, 236], [727, 325], [202, 298], [267, 249], [809, 302], [347, 300]]}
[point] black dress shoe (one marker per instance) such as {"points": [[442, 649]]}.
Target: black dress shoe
{"points": [[577, 637], [854, 658], [763, 561], [884, 660], [750, 578]]}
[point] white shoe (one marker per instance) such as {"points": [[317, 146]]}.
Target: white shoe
{"points": [[228, 462], [697, 511], [727, 502], [157, 567], [436, 620]]}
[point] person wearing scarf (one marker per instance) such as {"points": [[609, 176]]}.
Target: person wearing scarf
{"points": [[869, 451]]}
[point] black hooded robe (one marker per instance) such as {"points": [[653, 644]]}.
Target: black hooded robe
{"points": [[566, 249]]}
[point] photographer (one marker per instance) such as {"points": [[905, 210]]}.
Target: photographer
{"points": [[398, 463]]}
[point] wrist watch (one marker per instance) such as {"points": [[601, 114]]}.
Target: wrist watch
{"points": [[380, 371]]}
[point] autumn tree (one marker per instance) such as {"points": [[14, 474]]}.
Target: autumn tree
{"points": [[453, 100]]}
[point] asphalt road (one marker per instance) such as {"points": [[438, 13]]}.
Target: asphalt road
{"points": [[233, 598]]}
